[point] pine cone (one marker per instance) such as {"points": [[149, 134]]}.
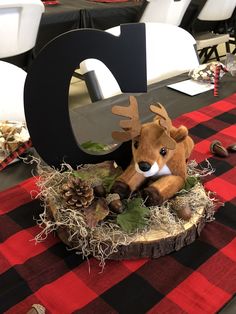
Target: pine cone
{"points": [[77, 193]]}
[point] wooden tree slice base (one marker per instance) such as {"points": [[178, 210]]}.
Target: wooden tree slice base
{"points": [[154, 243]]}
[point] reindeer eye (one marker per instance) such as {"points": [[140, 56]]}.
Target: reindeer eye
{"points": [[136, 143], [163, 151]]}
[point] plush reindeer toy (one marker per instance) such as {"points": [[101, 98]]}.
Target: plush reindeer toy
{"points": [[159, 152]]}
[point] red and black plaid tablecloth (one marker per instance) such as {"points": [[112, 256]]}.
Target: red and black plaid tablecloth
{"points": [[199, 278]]}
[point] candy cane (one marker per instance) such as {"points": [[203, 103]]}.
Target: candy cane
{"points": [[216, 80]]}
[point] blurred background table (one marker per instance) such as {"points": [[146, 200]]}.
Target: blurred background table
{"points": [[72, 14]]}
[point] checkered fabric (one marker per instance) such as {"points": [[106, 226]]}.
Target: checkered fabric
{"points": [[16, 153], [198, 279]]}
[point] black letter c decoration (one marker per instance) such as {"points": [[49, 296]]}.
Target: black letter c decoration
{"points": [[47, 87]]}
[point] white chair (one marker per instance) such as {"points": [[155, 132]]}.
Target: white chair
{"points": [[213, 10], [165, 11], [19, 22], [161, 61]]}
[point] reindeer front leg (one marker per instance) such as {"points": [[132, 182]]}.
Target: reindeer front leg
{"points": [[129, 181], [164, 188]]}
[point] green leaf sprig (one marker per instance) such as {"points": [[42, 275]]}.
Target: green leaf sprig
{"points": [[134, 217], [94, 147]]}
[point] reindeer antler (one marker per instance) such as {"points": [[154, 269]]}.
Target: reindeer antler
{"points": [[165, 123], [131, 127], [159, 110]]}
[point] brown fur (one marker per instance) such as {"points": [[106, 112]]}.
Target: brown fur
{"points": [[146, 147]]}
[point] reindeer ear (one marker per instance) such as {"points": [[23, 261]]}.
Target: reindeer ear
{"points": [[169, 142], [179, 134]]}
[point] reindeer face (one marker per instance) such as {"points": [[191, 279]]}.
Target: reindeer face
{"points": [[152, 144], [152, 149]]}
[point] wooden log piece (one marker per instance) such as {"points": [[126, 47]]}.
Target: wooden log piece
{"points": [[154, 243]]}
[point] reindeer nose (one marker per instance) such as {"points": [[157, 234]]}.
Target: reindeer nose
{"points": [[144, 166]]}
